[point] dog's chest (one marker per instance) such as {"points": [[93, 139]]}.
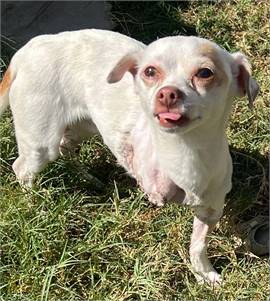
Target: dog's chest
{"points": [[187, 169], [164, 169]]}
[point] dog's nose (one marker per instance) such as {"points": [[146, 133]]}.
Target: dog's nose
{"points": [[169, 96]]}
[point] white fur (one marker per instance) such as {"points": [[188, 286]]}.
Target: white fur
{"points": [[67, 86]]}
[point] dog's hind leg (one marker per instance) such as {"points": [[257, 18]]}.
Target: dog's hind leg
{"points": [[34, 156], [28, 165], [38, 141], [74, 134]]}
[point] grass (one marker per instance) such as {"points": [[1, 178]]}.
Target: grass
{"points": [[72, 239]]}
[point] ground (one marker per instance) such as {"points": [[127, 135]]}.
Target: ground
{"points": [[72, 238]]}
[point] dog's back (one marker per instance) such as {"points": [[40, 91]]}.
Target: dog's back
{"points": [[56, 80], [65, 63]]}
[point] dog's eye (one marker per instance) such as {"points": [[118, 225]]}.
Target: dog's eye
{"points": [[150, 71], [205, 73]]}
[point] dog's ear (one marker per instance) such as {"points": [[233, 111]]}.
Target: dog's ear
{"points": [[127, 63], [246, 85]]}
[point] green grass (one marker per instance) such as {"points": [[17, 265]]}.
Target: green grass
{"points": [[71, 239]]}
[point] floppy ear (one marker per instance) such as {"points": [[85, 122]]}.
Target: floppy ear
{"points": [[246, 85], [127, 63]]}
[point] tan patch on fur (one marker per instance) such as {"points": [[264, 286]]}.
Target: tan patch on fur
{"points": [[6, 82], [209, 51]]}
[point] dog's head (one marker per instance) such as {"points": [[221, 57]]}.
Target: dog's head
{"points": [[186, 81]]}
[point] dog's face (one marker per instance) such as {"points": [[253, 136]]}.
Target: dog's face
{"points": [[186, 81]]}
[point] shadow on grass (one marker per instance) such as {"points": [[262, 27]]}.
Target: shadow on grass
{"points": [[93, 171], [147, 21], [249, 195], [8, 48]]}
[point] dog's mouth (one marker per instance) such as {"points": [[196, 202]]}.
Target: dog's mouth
{"points": [[171, 119]]}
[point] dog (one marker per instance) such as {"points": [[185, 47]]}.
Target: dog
{"points": [[162, 109]]}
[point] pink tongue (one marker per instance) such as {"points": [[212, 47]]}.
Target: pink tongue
{"points": [[169, 116]]}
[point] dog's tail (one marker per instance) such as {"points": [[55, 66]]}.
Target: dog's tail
{"points": [[4, 89]]}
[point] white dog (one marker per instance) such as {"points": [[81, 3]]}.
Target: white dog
{"points": [[162, 109]]}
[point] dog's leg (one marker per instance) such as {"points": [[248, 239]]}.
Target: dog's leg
{"points": [[35, 151], [74, 134], [204, 222], [27, 166]]}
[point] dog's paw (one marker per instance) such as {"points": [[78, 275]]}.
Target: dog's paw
{"points": [[156, 199], [212, 278], [68, 147]]}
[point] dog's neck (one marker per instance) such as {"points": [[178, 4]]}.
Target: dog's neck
{"points": [[186, 158], [199, 138]]}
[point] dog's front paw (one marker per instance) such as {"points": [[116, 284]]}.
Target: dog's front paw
{"points": [[156, 199], [212, 278]]}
